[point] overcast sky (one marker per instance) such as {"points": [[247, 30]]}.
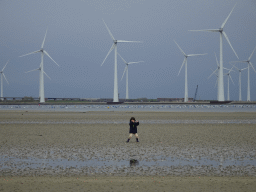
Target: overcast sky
{"points": [[78, 41]]}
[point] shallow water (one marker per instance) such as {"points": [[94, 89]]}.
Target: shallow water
{"points": [[11, 162], [116, 161]]}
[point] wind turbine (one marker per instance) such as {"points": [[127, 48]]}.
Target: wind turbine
{"points": [[186, 70], [239, 83], [220, 30], [126, 70], [216, 72], [248, 61], [229, 77], [2, 81], [114, 46], [41, 69]]}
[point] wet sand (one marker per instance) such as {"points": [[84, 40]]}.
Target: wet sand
{"points": [[195, 139], [231, 184]]}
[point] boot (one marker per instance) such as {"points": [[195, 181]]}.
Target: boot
{"points": [[137, 139], [127, 140]]}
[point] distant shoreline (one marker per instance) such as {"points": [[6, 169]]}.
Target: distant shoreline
{"points": [[128, 103]]}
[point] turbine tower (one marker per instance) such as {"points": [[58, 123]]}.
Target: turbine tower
{"points": [[114, 46], [248, 61], [229, 77], [239, 83], [126, 70], [220, 30], [2, 81], [41, 69], [186, 70]]}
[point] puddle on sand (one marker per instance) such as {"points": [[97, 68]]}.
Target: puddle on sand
{"points": [[160, 165]]}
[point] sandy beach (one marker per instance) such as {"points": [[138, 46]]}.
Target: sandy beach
{"points": [[86, 151]]}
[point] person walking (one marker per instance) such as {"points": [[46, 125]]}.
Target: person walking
{"points": [[133, 129]]}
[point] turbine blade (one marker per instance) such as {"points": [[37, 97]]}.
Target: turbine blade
{"points": [[235, 66], [108, 30], [212, 73], [44, 38], [230, 70], [113, 46], [223, 24], [216, 60], [5, 65], [123, 41], [122, 58], [231, 79], [251, 54], [135, 62], [238, 61], [47, 75], [191, 55], [229, 43], [244, 69], [252, 67], [5, 78], [33, 70], [226, 68], [124, 71], [180, 48], [182, 65], [50, 57], [207, 30], [216, 83], [31, 53]]}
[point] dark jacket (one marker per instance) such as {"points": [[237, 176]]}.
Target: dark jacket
{"points": [[133, 127]]}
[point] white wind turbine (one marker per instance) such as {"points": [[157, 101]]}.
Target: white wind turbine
{"points": [[186, 70], [2, 81], [216, 72], [249, 65], [240, 81], [221, 81], [229, 77], [41, 69], [114, 46], [126, 70]]}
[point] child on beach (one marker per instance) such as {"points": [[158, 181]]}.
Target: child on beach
{"points": [[133, 129]]}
